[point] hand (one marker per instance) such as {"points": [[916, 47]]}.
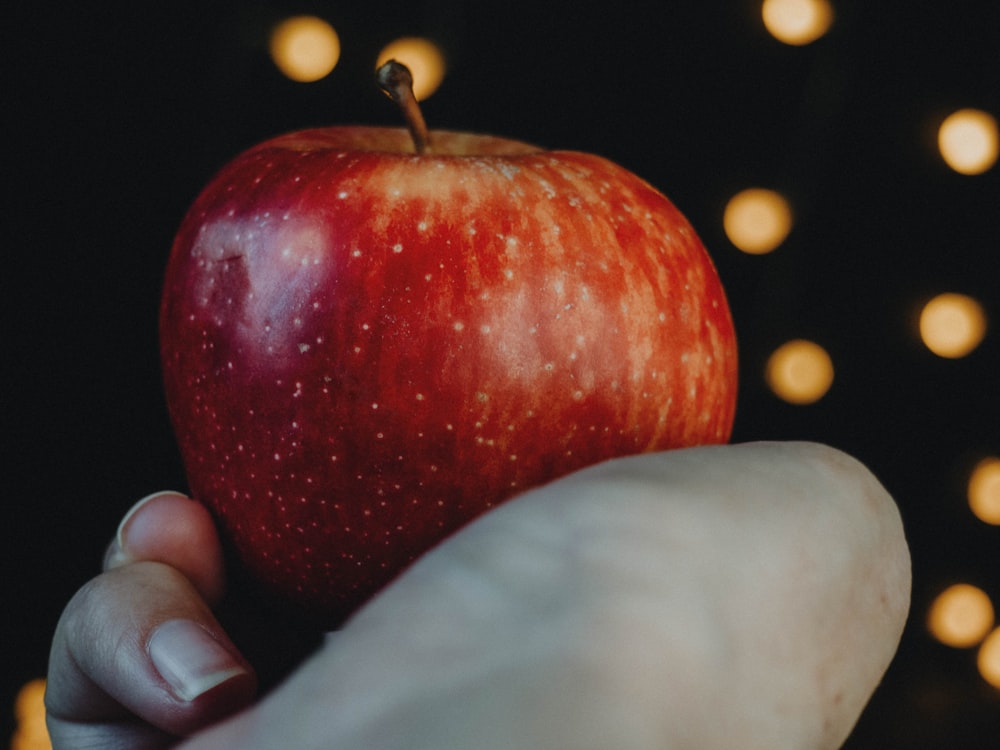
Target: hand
{"points": [[138, 657], [738, 596]]}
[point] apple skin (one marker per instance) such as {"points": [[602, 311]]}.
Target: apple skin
{"points": [[364, 348]]}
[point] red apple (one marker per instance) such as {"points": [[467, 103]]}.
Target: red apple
{"points": [[364, 348]]}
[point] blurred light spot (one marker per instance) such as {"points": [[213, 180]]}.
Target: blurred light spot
{"points": [[968, 141], [800, 372], [988, 659], [29, 710], [797, 22], [305, 48], [952, 325], [757, 220], [984, 491], [960, 616], [424, 59]]}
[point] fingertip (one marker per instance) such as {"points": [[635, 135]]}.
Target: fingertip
{"points": [[140, 642], [197, 665], [117, 553], [173, 529], [137, 508]]}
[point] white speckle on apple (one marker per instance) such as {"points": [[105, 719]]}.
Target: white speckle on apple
{"points": [[422, 226], [342, 194], [303, 348], [508, 170], [485, 329], [459, 326], [397, 248], [374, 406], [420, 397]]}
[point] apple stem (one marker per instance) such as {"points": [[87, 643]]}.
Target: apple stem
{"points": [[396, 80]]}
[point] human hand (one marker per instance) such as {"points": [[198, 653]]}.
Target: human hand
{"points": [[138, 658], [736, 596]]}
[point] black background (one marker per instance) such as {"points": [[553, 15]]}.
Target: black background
{"points": [[116, 116]]}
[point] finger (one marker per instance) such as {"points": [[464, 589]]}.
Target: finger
{"points": [[138, 659], [170, 528], [694, 598]]}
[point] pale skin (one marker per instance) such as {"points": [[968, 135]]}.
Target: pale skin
{"points": [[740, 596]]}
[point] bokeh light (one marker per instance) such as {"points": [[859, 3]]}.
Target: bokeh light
{"points": [[984, 490], [960, 616], [305, 48], [799, 372], [952, 325], [29, 710], [797, 22], [424, 59], [988, 659], [968, 141], [757, 220]]}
